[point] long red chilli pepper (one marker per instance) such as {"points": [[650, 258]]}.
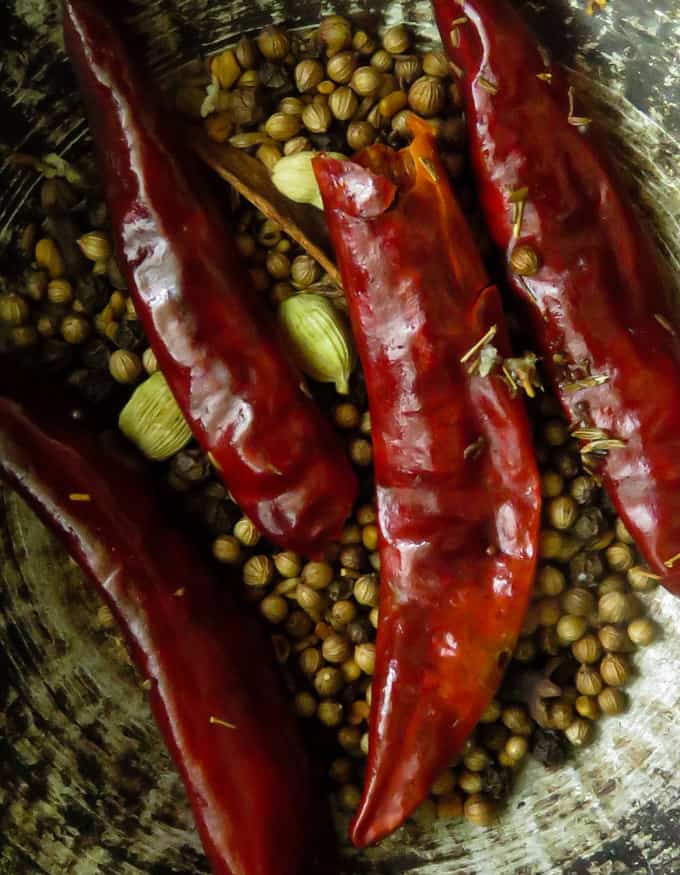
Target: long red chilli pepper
{"points": [[213, 340], [212, 685], [457, 486], [599, 300]]}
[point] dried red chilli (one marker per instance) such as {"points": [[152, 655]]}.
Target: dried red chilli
{"points": [[457, 486], [209, 670], [599, 298], [213, 340]]}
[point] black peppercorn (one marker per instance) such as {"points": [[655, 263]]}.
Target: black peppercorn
{"points": [[586, 568], [339, 590], [57, 354], [191, 465], [130, 336], [95, 356], [353, 556], [497, 782], [550, 748], [220, 516], [93, 293], [588, 524], [359, 631], [96, 387]]}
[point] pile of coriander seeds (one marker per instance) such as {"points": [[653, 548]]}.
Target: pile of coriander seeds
{"points": [[339, 88]]}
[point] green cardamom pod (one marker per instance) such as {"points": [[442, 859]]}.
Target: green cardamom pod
{"points": [[153, 421]]}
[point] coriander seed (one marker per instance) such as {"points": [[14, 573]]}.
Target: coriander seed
{"points": [[36, 284], [436, 64], [561, 715], [125, 367], [96, 246], [274, 609], [516, 719], [310, 661], [364, 656], [397, 40], [579, 733], [612, 701], [317, 575], [578, 601], [620, 556], [341, 67], [582, 489], [427, 96], [330, 713], [226, 549], [14, 309], [562, 512], [349, 738], [282, 126], [328, 681], [407, 69], [614, 670], [588, 681], [587, 649], [308, 74], [273, 43], [343, 103], [335, 32], [586, 706], [310, 600], [551, 580], [470, 782], [615, 640], [317, 118], [524, 261], [346, 415], [246, 532], [304, 271], [552, 484], [570, 628], [548, 611], [616, 607], [287, 563], [642, 631], [24, 336], [516, 748], [479, 810], [59, 291], [360, 134], [75, 329], [246, 53], [298, 624], [476, 760], [336, 649], [305, 704], [622, 533], [258, 571], [361, 452], [366, 81], [343, 612], [349, 797], [492, 712], [369, 537], [641, 579], [350, 671], [550, 543]]}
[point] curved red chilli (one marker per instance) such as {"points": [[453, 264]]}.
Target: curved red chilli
{"points": [[213, 339], [212, 684], [457, 487], [600, 302]]}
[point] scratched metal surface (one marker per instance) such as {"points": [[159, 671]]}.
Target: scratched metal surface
{"points": [[85, 786]]}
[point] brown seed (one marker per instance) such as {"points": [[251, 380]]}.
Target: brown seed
{"points": [[366, 590], [427, 96], [343, 612], [548, 611], [369, 537], [346, 415], [274, 43], [580, 732], [551, 580], [59, 291], [436, 64], [246, 53], [227, 549], [349, 738], [400, 123], [524, 261], [582, 488], [550, 544], [476, 759], [330, 713], [308, 74], [587, 650], [96, 245], [310, 600], [364, 43], [24, 336], [392, 104], [588, 681], [310, 661], [470, 782], [614, 670], [225, 68], [612, 701], [479, 810], [449, 806], [366, 81], [397, 40], [622, 533], [360, 134], [269, 154], [46, 326], [274, 608], [611, 583], [47, 255]]}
